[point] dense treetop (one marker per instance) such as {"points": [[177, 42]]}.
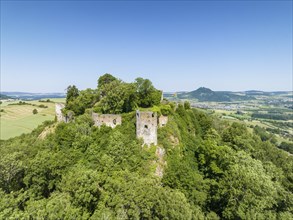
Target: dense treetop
{"points": [[214, 169], [113, 96]]}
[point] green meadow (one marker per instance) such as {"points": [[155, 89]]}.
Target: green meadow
{"points": [[18, 119]]}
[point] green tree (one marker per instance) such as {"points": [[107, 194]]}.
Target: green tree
{"points": [[12, 204], [44, 172], [35, 111], [86, 99], [187, 105], [105, 79], [113, 97], [148, 95], [135, 197], [58, 206], [82, 185], [190, 182], [246, 187], [118, 97], [72, 93], [11, 172], [287, 146]]}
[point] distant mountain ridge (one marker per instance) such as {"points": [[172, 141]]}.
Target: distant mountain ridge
{"points": [[32, 96], [203, 94], [3, 97], [256, 92]]}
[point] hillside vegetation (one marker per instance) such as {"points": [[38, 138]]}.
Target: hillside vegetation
{"points": [[212, 169]]}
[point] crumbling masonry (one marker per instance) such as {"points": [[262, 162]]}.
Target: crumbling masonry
{"points": [[163, 120], [146, 122], [109, 120], [58, 111], [60, 116], [146, 127]]}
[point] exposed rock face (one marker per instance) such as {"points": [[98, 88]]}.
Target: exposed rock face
{"points": [[60, 116], [110, 120], [163, 120], [58, 112], [174, 140], [146, 127], [160, 153], [48, 130]]}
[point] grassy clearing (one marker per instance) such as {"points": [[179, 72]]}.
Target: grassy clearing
{"points": [[5, 103], [58, 100], [19, 119]]}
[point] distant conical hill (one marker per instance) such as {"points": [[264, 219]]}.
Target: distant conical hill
{"points": [[203, 94]]}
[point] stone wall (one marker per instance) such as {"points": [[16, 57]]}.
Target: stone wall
{"points": [[110, 120], [146, 127], [146, 122], [60, 116], [58, 112], [160, 163], [163, 120]]}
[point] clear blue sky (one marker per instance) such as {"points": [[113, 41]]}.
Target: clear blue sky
{"points": [[179, 45]]}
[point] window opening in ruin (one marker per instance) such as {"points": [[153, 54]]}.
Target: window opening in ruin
{"points": [[153, 115], [114, 121], [146, 126]]}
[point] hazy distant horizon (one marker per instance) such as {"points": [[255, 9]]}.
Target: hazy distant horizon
{"points": [[171, 91], [221, 45], [64, 92]]}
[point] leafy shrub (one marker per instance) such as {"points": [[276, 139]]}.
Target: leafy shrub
{"points": [[35, 111]]}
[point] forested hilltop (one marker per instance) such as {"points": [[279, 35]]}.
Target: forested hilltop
{"points": [[212, 169]]}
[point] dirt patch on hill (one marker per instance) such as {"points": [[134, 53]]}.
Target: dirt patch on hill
{"points": [[48, 130]]}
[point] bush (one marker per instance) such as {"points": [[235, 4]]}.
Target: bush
{"points": [[166, 109], [35, 111], [187, 105], [287, 147], [42, 106]]}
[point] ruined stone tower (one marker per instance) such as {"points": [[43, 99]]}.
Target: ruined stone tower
{"points": [[146, 127]]}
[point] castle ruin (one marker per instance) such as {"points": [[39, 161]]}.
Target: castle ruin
{"points": [[146, 127], [146, 122], [163, 120], [60, 116], [110, 120], [58, 112]]}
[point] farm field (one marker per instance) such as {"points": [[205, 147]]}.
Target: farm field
{"points": [[282, 126], [283, 129], [272, 111], [18, 119]]}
